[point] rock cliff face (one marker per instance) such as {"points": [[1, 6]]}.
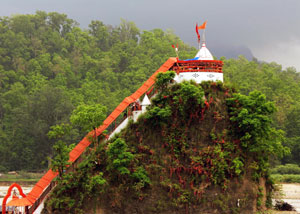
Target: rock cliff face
{"points": [[198, 149]]}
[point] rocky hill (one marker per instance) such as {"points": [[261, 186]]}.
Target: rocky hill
{"points": [[200, 148]]}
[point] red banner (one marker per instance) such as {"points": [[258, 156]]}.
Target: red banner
{"points": [[197, 31]]}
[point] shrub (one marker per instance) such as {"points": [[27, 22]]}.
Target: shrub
{"points": [[163, 79], [118, 156], [288, 178], [141, 176], [96, 182], [286, 169]]}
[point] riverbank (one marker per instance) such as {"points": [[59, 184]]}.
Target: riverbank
{"points": [[22, 178], [289, 193]]}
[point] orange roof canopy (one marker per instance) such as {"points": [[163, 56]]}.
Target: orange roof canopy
{"points": [[19, 202]]}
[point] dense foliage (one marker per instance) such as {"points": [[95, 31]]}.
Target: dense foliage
{"points": [[49, 66], [280, 86]]}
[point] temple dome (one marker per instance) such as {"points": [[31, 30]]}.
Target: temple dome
{"points": [[204, 53]]}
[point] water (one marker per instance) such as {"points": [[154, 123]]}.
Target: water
{"points": [[291, 195]]}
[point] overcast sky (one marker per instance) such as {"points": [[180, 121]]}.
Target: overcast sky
{"points": [[269, 28]]}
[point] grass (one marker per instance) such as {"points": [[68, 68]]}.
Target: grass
{"points": [[286, 178], [289, 173], [286, 169], [21, 176]]}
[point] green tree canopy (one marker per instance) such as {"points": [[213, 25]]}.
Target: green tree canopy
{"points": [[88, 117]]}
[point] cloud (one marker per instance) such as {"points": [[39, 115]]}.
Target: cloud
{"points": [[268, 28], [285, 52]]}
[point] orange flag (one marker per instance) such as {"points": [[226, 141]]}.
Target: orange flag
{"points": [[203, 26]]}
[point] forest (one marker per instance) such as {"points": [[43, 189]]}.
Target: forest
{"points": [[49, 66]]}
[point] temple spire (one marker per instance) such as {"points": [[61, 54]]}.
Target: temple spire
{"points": [[203, 53]]}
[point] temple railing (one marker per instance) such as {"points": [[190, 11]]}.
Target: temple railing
{"points": [[198, 66]]}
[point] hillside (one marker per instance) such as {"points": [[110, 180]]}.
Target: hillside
{"points": [[49, 66], [198, 149]]}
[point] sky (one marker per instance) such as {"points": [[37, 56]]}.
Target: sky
{"points": [[270, 29]]}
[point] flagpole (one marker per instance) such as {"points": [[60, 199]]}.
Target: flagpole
{"points": [[203, 40]]}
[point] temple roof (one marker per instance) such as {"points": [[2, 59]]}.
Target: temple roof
{"points": [[146, 101], [204, 53]]}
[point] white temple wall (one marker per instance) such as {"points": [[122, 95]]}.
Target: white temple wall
{"points": [[119, 128], [136, 114], [198, 77]]}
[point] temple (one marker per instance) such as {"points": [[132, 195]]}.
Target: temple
{"points": [[201, 68]]}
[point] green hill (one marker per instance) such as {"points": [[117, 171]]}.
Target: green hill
{"points": [[198, 149]]}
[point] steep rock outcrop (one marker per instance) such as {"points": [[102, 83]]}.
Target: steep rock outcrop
{"points": [[200, 148]]}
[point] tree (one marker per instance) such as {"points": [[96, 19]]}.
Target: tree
{"points": [[88, 117], [119, 157], [128, 31], [60, 160], [164, 79], [61, 156], [100, 32], [252, 124], [292, 128]]}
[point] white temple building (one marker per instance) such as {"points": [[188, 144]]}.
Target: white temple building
{"points": [[202, 68]]}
